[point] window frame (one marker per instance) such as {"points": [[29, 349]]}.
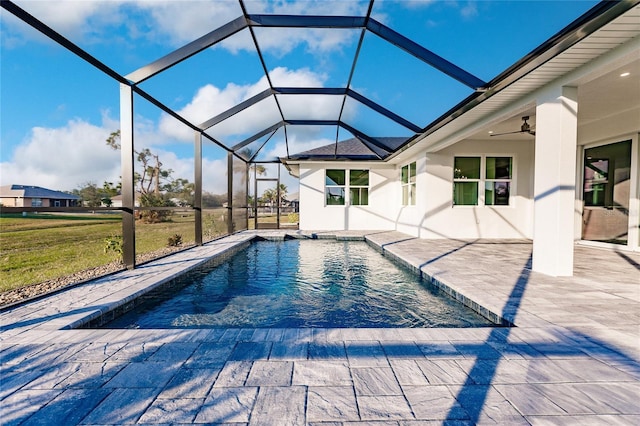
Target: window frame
{"points": [[409, 186], [482, 181], [509, 180], [337, 186], [348, 187], [359, 188]]}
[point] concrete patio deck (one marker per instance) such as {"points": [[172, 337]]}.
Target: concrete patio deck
{"points": [[573, 356]]}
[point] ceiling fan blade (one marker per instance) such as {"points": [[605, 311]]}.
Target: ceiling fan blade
{"points": [[507, 133]]}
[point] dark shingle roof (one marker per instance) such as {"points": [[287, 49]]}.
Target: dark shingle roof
{"points": [[351, 149]]}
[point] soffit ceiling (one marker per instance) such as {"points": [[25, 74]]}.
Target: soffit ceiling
{"points": [[365, 81], [605, 96]]}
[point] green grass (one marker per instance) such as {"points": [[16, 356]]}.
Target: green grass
{"points": [[17, 222], [36, 249], [40, 247]]}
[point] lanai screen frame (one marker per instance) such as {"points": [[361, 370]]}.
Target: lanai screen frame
{"points": [[129, 85]]}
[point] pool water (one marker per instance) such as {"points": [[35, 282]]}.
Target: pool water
{"points": [[301, 283]]}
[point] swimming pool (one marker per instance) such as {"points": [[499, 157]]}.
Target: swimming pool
{"points": [[300, 283]]}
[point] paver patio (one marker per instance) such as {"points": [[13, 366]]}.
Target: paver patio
{"points": [[572, 357]]}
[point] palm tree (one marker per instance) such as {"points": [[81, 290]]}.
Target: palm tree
{"points": [[283, 193]]}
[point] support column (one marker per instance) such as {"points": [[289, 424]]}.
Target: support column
{"points": [[128, 188], [229, 193], [555, 181], [197, 196]]}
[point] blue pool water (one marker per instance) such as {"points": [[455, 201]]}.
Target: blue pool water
{"points": [[301, 283]]}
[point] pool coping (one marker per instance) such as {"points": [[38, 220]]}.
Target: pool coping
{"points": [[449, 288]]}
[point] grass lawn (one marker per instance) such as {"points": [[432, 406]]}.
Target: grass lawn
{"points": [[42, 246]]}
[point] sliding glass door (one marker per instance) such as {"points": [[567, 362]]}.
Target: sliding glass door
{"points": [[606, 193]]}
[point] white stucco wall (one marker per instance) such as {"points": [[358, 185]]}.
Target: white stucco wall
{"points": [[434, 215], [314, 215]]}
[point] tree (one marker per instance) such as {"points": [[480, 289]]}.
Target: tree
{"points": [[149, 181], [154, 183], [90, 195], [109, 190], [180, 190], [271, 195], [283, 193], [213, 200]]}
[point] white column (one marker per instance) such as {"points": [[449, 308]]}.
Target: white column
{"points": [[555, 181]]}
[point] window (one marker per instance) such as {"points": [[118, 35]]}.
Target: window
{"points": [[409, 184], [468, 177], [497, 186], [36, 202], [336, 187], [359, 187]]}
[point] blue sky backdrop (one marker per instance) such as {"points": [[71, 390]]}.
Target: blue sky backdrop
{"points": [[57, 111]]}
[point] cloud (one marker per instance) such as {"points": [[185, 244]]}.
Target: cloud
{"points": [[183, 21], [178, 22], [469, 10], [412, 4], [68, 157], [214, 170], [76, 20], [210, 101], [63, 158]]}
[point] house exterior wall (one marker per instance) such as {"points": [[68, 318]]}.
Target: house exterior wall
{"points": [[11, 202], [27, 202], [378, 215], [433, 215]]}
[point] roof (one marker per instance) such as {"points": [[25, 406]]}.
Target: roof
{"points": [[30, 191], [351, 149]]}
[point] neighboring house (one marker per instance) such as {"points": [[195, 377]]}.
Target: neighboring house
{"points": [[293, 201], [573, 177], [116, 200], [35, 196]]}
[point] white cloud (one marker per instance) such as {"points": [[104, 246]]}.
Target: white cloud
{"points": [[214, 171], [412, 4], [63, 158], [210, 101], [178, 22], [184, 21], [68, 157], [283, 40], [74, 19], [469, 10], [214, 176]]}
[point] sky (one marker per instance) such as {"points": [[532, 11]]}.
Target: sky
{"points": [[56, 111]]}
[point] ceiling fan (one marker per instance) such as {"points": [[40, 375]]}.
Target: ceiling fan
{"points": [[525, 128]]}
